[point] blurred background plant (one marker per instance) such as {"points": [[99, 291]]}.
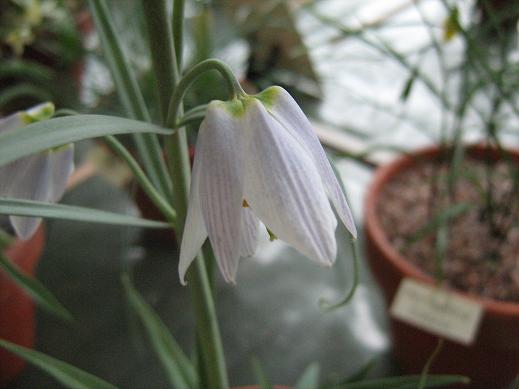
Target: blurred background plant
{"points": [[40, 52]]}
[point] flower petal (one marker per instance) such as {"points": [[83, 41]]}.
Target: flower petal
{"points": [[11, 122], [195, 232], [28, 178], [62, 166], [249, 233], [221, 185], [287, 112], [283, 187]]}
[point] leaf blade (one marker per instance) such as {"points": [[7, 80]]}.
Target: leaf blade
{"points": [[35, 289], [310, 378], [180, 371], [30, 208], [47, 134], [68, 375]]}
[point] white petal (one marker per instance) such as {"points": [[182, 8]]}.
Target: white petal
{"points": [[195, 232], [249, 233], [283, 188], [11, 122], [221, 185], [287, 112], [62, 166], [28, 178]]}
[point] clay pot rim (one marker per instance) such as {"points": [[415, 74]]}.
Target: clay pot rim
{"points": [[374, 229]]}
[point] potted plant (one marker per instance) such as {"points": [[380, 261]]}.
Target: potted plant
{"points": [[500, 321], [446, 216]]}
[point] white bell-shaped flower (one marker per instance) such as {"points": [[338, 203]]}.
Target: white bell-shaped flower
{"points": [[258, 158], [40, 177]]}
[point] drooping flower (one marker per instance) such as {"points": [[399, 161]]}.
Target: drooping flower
{"points": [[40, 177], [258, 158]]}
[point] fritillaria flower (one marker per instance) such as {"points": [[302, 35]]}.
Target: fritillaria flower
{"points": [[40, 177], [258, 159]]}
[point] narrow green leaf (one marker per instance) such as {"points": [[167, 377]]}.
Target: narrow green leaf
{"points": [[261, 376], [425, 371], [439, 220], [159, 201], [310, 378], [148, 146], [406, 91], [66, 374], [405, 382], [24, 90], [56, 132], [178, 367], [18, 207], [26, 70], [35, 289], [362, 373]]}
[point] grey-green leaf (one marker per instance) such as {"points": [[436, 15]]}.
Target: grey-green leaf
{"points": [[35, 289], [260, 375], [310, 378], [59, 131], [68, 375], [18, 207], [440, 219], [178, 367]]}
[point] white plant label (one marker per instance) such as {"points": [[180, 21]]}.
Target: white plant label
{"points": [[437, 311]]}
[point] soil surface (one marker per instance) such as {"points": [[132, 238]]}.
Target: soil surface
{"points": [[477, 250]]}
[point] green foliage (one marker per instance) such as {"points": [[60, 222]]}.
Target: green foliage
{"points": [[19, 207], [56, 132], [35, 289], [179, 369], [68, 375]]}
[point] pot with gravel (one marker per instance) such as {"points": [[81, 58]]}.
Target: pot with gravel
{"points": [[460, 236]]}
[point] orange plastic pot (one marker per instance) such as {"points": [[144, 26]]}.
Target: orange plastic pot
{"points": [[17, 323], [493, 360]]}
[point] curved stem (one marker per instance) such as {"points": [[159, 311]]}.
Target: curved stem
{"points": [[196, 71], [324, 304], [195, 114]]}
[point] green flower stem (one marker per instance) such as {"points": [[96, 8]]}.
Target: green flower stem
{"points": [[143, 181], [178, 30], [207, 331], [162, 53], [128, 90], [233, 85], [193, 115]]}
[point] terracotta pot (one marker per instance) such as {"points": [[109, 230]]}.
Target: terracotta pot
{"points": [[16, 308], [493, 360]]}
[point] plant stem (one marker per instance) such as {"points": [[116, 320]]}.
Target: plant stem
{"points": [[207, 330], [162, 53], [233, 85], [178, 31]]}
